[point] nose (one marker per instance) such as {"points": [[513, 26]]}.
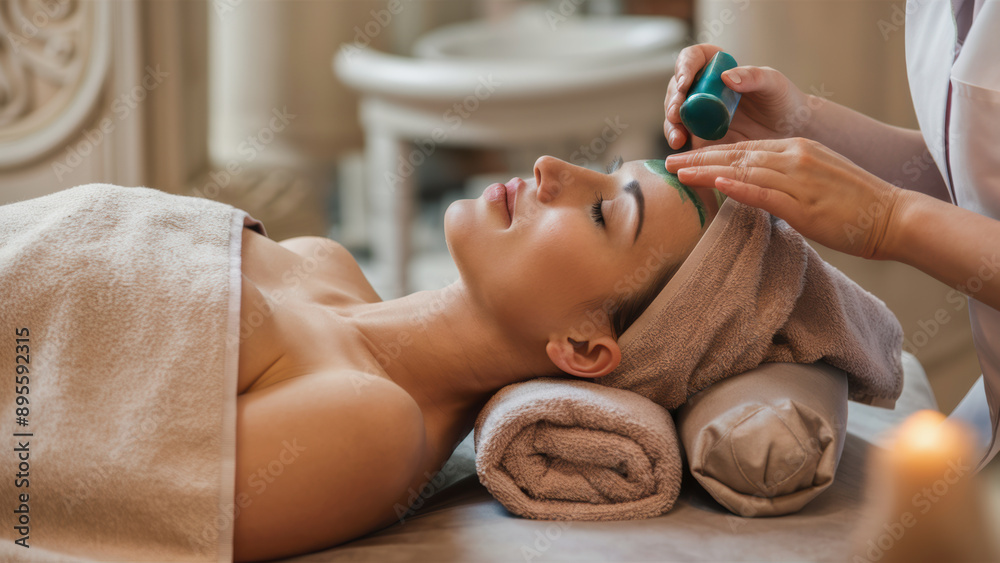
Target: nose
{"points": [[554, 176]]}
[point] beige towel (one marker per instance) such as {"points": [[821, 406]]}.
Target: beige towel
{"points": [[753, 291], [564, 449], [128, 300]]}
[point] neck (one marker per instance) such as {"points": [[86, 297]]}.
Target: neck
{"points": [[441, 347]]}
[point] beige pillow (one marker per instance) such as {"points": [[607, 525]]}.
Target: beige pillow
{"points": [[766, 442]]}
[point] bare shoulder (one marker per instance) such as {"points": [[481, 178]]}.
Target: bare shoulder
{"points": [[321, 459], [333, 257], [320, 249], [307, 245]]}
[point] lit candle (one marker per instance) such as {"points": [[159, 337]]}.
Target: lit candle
{"points": [[924, 503]]}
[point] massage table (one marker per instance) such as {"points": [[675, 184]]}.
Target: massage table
{"points": [[459, 521]]}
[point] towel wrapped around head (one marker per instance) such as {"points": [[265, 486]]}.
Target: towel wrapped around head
{"points": [[564, 449], [753, 291]]}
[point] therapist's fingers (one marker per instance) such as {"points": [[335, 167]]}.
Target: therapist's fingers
{"points": [[765, 81], [673, 130], [725, 154], [775, 202], [707, 176], [689, 62], [737, 164]]}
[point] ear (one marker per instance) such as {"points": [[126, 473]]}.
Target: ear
{"points": [[591, 358]]}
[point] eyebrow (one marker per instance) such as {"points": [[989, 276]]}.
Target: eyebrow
{"points": [[636, 192], [615, 164]]}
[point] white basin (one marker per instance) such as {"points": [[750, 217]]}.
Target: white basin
{"points": [[537, 39], [508, 84], [527, 55]]}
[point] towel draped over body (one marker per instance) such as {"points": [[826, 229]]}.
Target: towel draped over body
{"points": [[127, 301]]}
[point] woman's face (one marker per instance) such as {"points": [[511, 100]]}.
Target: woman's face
{"points": [[535, 251]]}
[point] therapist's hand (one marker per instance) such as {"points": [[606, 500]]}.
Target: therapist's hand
{"points": [[767, 109], [816, 191]]}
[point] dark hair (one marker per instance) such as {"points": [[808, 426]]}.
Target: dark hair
{"points": [[629, 306]]}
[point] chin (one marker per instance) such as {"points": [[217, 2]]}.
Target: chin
{"points": [[459, 217], [472, 242], [460, 230]]}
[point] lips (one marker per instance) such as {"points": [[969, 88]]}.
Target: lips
{"points": [[512, 186]]}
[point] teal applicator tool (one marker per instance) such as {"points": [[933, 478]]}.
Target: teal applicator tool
{"points": [[710, 104]]}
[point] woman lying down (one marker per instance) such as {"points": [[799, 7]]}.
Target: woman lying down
{"points": [[390, 388], [553, 271], [346, 403]]}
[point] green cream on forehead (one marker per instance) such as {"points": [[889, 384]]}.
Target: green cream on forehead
{"points": [[720, 197], [657, 167]]}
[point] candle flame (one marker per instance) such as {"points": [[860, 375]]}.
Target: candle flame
{"points": [[924, 431]]}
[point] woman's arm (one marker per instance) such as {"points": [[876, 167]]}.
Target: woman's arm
{"points": [[956, 246], [895, 154], [831, 200]]}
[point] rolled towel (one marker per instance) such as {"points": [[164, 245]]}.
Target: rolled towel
{"points": [[563, 449], [753, 291]]}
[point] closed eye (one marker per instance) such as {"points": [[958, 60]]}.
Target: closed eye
{"points": [[595, 210]]}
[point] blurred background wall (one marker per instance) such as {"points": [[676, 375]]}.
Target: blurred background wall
{"points": [[236, 100]]}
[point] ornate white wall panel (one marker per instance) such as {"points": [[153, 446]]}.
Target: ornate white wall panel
{"points": [[54, 58], [70, 76]]}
